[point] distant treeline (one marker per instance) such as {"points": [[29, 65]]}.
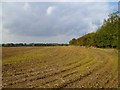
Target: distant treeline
{"points": [[105, 36], [32, 44]]}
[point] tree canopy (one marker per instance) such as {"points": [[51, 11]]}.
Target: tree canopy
{"points": [[105, 36]]}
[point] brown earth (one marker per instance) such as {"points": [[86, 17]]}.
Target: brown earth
{"points": [[59, 67]]}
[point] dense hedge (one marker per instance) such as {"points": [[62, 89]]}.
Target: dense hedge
{"points": [[105, 36], [32, 44]]}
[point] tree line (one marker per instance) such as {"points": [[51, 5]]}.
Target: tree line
{"points": [[105, 36], [32, 44]]}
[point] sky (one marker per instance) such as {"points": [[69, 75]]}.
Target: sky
{"points": [[51, 22]]}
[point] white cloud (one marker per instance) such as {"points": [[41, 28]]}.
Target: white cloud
{"points": [[0, 22], [26, 6], [69, 20], [93, 27], [59, 0], [50, 10]]}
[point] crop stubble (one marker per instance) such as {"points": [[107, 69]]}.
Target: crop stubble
{"points": [[59, 67]]}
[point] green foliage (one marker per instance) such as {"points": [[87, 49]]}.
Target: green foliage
{"points": [[73, 41], [32, 44], [105, 36]]}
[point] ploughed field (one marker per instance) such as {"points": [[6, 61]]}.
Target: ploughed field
{"points": [[59, 67]]}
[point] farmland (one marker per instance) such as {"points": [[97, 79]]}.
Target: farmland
{"points": [[59, 67]]}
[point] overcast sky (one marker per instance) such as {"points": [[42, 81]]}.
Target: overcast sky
{"points": [[52, 22]]}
